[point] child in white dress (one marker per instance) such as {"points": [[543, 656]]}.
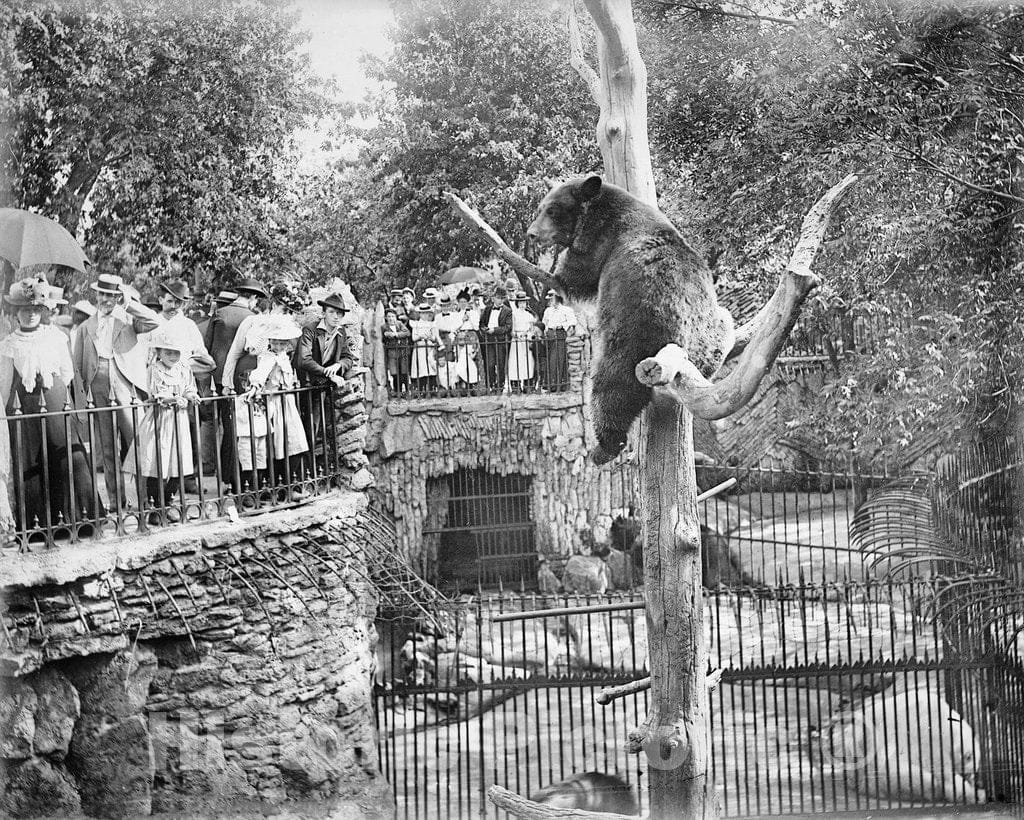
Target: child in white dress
{"points": [[163, 444], [267, 420]]}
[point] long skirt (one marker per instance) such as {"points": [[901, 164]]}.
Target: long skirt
{"points": [[273, 425], [162, 433], [53, 484], [520, 361]]}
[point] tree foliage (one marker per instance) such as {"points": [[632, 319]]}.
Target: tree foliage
{"points": [[925, 99], [482, 102], [166, 126]]}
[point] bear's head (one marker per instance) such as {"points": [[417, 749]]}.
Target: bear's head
{"points": [[559, 211]]}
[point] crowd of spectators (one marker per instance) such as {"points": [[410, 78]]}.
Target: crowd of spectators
{"points": [[475, 340], [113, 383]]}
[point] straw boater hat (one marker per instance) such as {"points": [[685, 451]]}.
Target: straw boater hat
{"points": [[162, 337], [431, 293], [109, 283], [225, 297]]}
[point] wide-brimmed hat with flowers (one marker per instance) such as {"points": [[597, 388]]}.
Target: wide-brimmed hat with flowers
{"points": [[162, 337], [289, 296], [29, 293], [281, 328]]}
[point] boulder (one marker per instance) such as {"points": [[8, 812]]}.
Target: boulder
{"points": [[311, 764], [624, 574], [17, 719], [57, 709], [113, 763], [587, 574], [191, 774], [114, 685], [39, 788]]}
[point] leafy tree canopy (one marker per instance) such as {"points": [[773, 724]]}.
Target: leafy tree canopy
{"points": [[925, 100], [165, 125], [482, 102]]}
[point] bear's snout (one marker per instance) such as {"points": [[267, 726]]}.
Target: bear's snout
{"points": [[543, 232]]}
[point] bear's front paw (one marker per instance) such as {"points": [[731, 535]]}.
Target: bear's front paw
{"points": [[606, 450]]}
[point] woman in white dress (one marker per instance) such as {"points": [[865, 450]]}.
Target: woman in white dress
{"points": [[426, 342], [520, 353]]}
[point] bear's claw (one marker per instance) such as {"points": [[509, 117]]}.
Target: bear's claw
{"points": [[603, 453]]}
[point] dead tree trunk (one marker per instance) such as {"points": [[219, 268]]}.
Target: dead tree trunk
{"points": [[619, 87], [675, 734]]}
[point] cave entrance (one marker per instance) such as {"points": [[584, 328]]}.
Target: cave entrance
{"points": [[482, 527]]}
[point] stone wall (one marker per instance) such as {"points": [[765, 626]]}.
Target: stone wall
{"points": [[215, 670], [538, 436]]}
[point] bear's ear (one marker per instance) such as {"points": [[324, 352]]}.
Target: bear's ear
{"points": [[590, 188], [551, 183]]}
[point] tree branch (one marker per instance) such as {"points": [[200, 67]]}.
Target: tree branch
{"points": [[520, 265], [761, 340], [521, 807], [576, 58], [720, 12]]}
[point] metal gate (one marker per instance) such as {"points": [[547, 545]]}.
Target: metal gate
{"points": [[483, 529]]}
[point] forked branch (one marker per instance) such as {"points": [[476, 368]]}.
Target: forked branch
{"points": [[498, 245], [760, 341], [528, 810]]}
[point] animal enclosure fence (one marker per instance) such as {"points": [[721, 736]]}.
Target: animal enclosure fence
{"points": [[809, 676]]}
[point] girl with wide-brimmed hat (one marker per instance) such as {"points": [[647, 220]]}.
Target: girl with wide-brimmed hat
{"points": [[163, 442], [35, 376], [280, 432]]}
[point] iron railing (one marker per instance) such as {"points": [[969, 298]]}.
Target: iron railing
{"points": [[831, 699], [472, 365], [60, 493]]}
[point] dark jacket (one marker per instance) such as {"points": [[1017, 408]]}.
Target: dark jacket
{"points": [[397, 349], [311, 357], [504, 330], [220, 333]]}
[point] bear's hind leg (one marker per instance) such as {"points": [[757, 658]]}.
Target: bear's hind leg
{"points": [[617, 401]]}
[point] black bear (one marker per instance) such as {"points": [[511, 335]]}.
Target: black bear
{"points": [[593, 791], [652, 289]]}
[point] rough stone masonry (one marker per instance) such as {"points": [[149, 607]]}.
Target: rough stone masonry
{"points": [[218, 670]]}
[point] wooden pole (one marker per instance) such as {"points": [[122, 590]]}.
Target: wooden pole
{"points": [[674, 736]]}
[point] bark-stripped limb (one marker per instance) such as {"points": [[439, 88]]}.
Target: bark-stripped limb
{"points": [[499, 246], [528, 810], [760, 341], [811, 234], [610, 693]]}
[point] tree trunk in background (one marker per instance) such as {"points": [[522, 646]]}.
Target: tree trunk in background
{"points": [[620, 90], [675, 735]]}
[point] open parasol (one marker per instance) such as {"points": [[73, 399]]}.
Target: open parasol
{"points": [[31, 239], [464, 275]]}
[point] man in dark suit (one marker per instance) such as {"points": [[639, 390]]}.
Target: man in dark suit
{"points": [[495, 333], [110, 363], [204, 383], [323, 353], [323, 357], [220, 333]]}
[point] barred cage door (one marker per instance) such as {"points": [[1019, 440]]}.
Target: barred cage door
{"points": [[486, 535]]}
